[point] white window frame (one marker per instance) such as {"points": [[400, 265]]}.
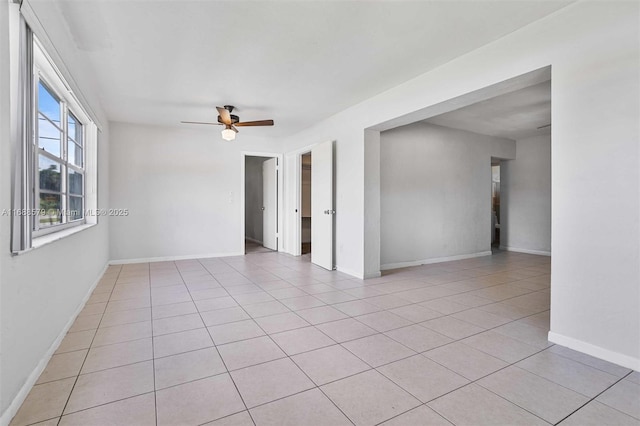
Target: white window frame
{"points": [[45, 70]]}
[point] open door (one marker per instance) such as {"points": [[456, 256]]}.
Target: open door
{"points": [[322, 205], [270, 204]]}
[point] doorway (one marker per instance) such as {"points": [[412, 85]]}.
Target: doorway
{"points": [[499, 120], [495, 204], [317, 208], [305, 196], [261, 202]]}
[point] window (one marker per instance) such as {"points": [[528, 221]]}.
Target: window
{"points": [[60, 176], [55, 168], [59, 150]]}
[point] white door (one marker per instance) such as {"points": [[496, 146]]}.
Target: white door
{"points": [[270, 204], [322, 205]]}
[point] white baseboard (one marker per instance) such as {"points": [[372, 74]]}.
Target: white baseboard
{"points": [[596, 351], [174, 258], [397, 265], [358, 275], [527, 251], [13, 408]]}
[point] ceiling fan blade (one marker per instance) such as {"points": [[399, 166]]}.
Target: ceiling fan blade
{"points": [[225, 117], [200, 122], [255, 123], [234, 129]]}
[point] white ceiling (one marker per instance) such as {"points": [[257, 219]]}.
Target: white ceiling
{"points": [[514, 115], [160, 62]]}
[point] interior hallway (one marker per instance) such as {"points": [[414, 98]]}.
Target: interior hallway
{"points": [[253, 247], [269, 338]]}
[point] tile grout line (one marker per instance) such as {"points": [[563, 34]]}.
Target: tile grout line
{"points": [[422, 404], [595, 397], [89, 349], [422, 353], [375, 368], [153, 350], [530, 291], [454, 341], [96, 406], [589, 400], [432, 360], [377, 332], [591, 366], [533, 373], [138, 362], [489, 390], [371, 368], [275, 343], [287, 356], [110, 368], [389, 310], [215, 346]]}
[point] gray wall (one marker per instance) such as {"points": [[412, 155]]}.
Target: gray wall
{"points": [[435, 193], [526, 197], [253, 198]]}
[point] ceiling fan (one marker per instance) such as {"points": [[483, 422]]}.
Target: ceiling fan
{"points": [[230, 122]]}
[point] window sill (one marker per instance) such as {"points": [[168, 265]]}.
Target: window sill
{"points": [[55, 236]]}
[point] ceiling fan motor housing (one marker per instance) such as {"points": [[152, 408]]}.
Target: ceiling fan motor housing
{"points": [[234, 119]]}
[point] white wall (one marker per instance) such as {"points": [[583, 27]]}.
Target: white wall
{"points": [[182, 188], [525, 207], [435, 193], [41, 290], [253, 198], [5, 194], [592, 48]]}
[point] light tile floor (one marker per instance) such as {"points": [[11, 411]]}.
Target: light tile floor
{"points": [[271, 339]]}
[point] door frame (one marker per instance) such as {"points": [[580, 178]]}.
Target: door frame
{"points": [[293, 218], [279, 189]]}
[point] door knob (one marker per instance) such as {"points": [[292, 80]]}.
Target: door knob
{"points": [[329, 212], [262, 208]]}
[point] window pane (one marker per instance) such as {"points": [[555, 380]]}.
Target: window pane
{"points": [[75, 182], [74, 128], [50, 203], [48, 136], [50, 178], [79, 157], [74, 153], [48, 104], [79, 134], [71, 125], [75, 208]]}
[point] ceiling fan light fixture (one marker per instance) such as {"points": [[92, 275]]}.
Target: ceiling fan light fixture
{"points": [[228, 134], [230, 121]]}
